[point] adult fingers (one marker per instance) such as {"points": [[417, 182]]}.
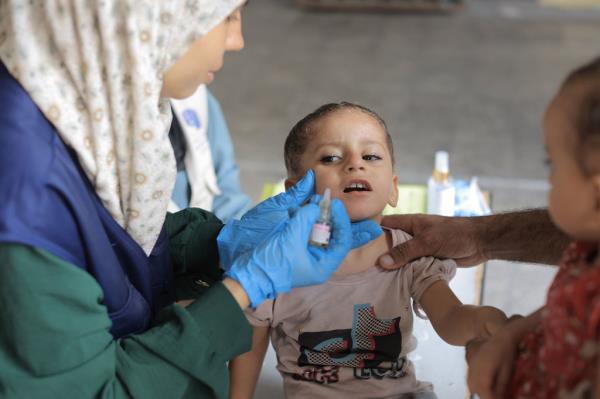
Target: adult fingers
{"points": [[364, 231], [341, 235], [300, 225], [300, 192], [282, 206], [329, 258], [403, 253], [402, 222]]}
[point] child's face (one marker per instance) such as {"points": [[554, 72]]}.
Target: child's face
{"points": [[573, 196], [349, 154]]}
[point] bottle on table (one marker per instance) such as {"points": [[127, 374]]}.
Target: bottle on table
{"points": [[440, 191]]}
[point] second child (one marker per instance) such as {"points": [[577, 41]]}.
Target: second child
{"points": [[555, 352]]}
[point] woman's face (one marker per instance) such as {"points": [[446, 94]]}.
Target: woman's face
{"points": [[204, 58]]}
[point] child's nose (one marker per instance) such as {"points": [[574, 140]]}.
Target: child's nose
{"points": [[355, 163]]}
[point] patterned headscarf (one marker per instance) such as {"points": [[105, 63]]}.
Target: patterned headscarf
{"points": [[95, 69]]}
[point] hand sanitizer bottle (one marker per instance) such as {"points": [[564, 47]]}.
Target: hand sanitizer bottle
{"points": [[440, 191]]}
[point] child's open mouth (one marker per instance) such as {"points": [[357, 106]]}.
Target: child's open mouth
{"points": [[357, 185]]}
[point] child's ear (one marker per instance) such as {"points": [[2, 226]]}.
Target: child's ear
{"points": [[393, 199], [290, 182]]}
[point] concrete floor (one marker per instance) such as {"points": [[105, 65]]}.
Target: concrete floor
{"points": [[474, 83]]}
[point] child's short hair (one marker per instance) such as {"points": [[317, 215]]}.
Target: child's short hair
{"points": [[587, 118], [297, 139]]}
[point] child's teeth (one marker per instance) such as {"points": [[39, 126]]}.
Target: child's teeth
{"points": [[359, 186]]}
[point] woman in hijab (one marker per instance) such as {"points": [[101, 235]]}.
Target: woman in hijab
{"points": [[90, 262]]}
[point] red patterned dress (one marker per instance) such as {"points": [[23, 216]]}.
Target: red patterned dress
{"points": [[559, 358]]}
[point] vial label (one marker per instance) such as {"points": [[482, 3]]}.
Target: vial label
{"points": [[320, 234]]}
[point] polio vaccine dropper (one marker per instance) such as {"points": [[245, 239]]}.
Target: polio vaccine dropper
{"points": [[321, 231]]}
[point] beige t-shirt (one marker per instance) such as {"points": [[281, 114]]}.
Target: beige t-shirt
{"points": [[350, 337]]}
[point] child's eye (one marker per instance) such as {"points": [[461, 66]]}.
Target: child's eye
{"points": [[330, 158], [371, 157]]}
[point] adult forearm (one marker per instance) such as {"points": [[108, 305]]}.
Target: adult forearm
{"points": [[524, 236]]}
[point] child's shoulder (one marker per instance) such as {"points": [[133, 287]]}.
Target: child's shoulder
{"points": [[397, 236]]}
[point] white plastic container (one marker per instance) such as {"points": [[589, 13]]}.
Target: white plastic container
{"points": [[440, 191]]}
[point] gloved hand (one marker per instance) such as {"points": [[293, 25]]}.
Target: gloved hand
{"points": [[285, 260], [270, 216]]}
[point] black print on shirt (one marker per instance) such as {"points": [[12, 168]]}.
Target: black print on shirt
{"points": [[394, 370], [320, 375], [371, 346]]}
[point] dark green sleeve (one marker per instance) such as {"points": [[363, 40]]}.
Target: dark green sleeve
{"points": [[55, 340], [193, 241], [193, 248]]}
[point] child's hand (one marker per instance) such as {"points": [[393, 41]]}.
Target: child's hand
{"points": [[491, 361], [490, 320]]}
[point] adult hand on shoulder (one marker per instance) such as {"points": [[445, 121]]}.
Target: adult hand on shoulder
{"points": [[285, 260], [271, 216], [443, 237]]}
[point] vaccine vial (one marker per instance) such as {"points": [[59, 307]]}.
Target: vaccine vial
{"points": [[321, 231]]}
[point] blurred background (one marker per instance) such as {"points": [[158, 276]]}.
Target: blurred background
{"points": [[473, 80]]}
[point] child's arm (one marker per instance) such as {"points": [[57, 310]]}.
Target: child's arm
{"points": [[491, 359], [454, 322], [245, 368]]}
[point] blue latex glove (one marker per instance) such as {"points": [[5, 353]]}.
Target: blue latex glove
{"points": [[285, 260], [270, 216]]}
